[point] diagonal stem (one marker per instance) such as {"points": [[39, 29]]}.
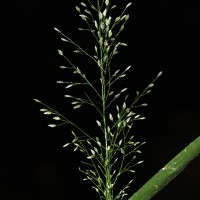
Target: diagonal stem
{"points": [[168, 172]]}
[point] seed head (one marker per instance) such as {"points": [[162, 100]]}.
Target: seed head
{"points": [[83, 4], [47, 113], [96, 25], [151, 85], [105, 12], [36, 100], [60, 52], [57, 29], [78, 9], [159, 74], [52, 125], [128, 5], [98, 123], [66, 145], [127, 17], [100, 15], [107, 2], [56, 118]]}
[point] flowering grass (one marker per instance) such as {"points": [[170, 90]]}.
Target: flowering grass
{"points": [[114, 151]]}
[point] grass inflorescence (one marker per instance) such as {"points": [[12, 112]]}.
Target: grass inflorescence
{"points": [[113, 153]]}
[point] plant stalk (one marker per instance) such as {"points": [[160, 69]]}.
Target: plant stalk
{"points": [[168, 172]]}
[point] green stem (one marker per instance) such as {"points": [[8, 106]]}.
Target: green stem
{"points": [[107, 166], [168, 172], [107, 156]]}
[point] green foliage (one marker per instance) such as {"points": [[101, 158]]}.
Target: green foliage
{"points": [[113, 153]]}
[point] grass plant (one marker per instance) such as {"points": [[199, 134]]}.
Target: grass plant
{"points": [[113, 151]]}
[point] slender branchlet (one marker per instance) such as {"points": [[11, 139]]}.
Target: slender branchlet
{"points": [[114, 151]]}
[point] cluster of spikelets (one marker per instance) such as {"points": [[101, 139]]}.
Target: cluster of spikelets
{"points": [[113, 153]]}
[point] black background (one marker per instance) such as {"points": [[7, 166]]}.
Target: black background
{"points": [[161, 36]]}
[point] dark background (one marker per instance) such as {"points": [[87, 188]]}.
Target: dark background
{"points": [[161, 36]]}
